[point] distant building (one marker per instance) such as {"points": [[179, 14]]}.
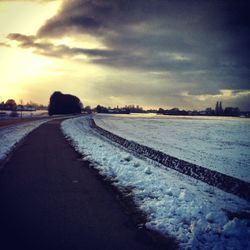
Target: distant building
{"points": [[218, 108], [230, 111], [209, 111], [102, 109], [134, 109], [174, 111], [203, 112], [25, 108]]}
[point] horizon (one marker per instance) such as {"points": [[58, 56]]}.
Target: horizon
{"points": [[156, 54], [31, 103]]}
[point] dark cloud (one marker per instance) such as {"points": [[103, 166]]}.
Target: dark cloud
{"points": [[240, 101], [211, 37], [201, 46], [50, 49], [26, 41]]}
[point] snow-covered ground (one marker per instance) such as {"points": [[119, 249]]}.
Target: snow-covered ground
{"points": [[10, 136], [217, 143], [24, 114], [198, 215]]}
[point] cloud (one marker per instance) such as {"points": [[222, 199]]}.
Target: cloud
{"points": [[194, 47], [2, 44], [206, 36], [23, 39], [50, 49]]}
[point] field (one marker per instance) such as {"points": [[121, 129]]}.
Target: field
{"points": [[25, 116], [195, 213], [217, 143]]}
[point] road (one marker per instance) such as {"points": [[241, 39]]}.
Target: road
{"points": [[50, 199]]}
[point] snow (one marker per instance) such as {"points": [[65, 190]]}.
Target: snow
{"points": [[11, 135], [198, 215], [218, 143], [24, 114]]}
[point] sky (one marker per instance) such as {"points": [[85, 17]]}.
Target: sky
{"points": [[152, 53]]}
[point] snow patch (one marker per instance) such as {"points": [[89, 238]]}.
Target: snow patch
{"points": [[10, 136]]}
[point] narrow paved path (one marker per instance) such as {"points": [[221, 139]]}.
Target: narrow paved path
{"points": [[51, 200]]}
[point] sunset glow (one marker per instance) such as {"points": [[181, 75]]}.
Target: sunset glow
{"points": [[123, 57]]}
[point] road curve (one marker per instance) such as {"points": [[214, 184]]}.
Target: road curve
{"points": [[49, 199]]}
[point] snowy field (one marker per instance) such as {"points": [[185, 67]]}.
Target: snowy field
{"points": [[11, 135], [25, 114], [198, 215], [217, 143]]}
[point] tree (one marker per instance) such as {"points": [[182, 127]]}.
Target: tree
{"points": [[64, 104], [229, 111], [101, 109], [87, 109], [160, 111], [10, 104]]}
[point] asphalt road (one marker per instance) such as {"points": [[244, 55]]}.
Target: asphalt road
{"points": [[49, 199]]}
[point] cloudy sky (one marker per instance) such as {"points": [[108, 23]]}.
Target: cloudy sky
{"points": [[155, 53]]}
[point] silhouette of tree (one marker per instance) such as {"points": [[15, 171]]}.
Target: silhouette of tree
{"points": [[10, 104], [64, 104], [101, 109], [87, 109]]}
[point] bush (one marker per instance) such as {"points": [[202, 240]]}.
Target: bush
{"points": [[64, 104]]}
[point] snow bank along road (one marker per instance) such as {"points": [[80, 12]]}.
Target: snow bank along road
{"points": [[222, 181], [199, 215], [52, 200], [11, 135]]}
